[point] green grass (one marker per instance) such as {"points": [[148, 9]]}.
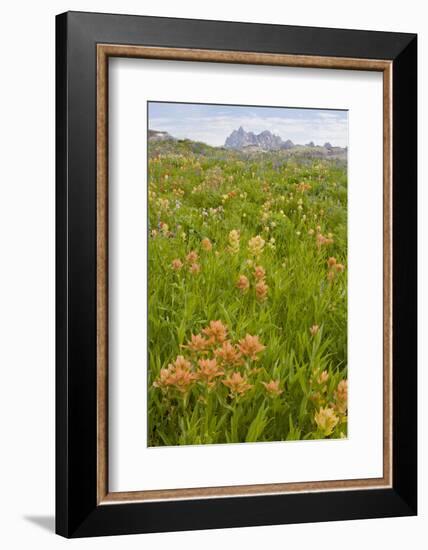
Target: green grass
{"points": [[195, 194]]}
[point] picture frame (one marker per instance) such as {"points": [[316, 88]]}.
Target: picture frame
{"points": [[84, 44]]}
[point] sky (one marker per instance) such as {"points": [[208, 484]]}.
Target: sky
{"points": [[212, 124]]}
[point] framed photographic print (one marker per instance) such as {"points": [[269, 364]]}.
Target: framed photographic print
{"points": [[236, 274]]}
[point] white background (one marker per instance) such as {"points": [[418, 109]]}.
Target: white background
{"points": [[27, 275], [132, 82]]}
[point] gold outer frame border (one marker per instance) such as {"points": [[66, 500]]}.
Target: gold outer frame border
{"points": [[104, 52]]}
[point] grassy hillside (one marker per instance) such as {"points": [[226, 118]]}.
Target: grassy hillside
{"points": [[247, 295]]}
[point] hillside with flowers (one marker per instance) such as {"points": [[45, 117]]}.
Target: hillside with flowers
{"points": [[247, 306]]}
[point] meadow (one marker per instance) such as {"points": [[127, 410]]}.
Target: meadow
{"points": [[247, 287]]}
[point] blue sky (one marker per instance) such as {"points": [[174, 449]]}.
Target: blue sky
{"points": [[213, 123]]}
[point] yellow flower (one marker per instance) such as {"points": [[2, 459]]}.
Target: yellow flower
{"points": [[326, 420], [314, 329], [323, 377], [234, 241], [342, 397], [261, 291], [177, 264], [250, 346], [243, 283], [237, 384], [206, 244], [272, 387], [256, 246]]}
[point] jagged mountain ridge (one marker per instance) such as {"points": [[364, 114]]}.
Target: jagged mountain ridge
{"points": [[265, 141], [239, 139]]}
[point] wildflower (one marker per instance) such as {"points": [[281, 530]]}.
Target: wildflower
{"points": [[323, 241], [342, 397], [209, 370], [195, 269], [259, 272], [314, 329], [183, 236], [272, 388], [256, 245], [176, 264], [326, 420], [216, 332], [261, 291], [250, 346], [237, 384], [197, 343], [331, 262], [179, 374], [206, 244], [323, 377], [192, 257], [331, 275], [339, 267], [234, 241], [243, 283], [228, 354], [164, 228], [302, 187]]}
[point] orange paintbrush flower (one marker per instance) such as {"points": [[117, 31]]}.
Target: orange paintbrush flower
{"points": [[177, 264], [197, 343], [209, 370], [206, 244], [228, 354], [272, 388], [192, 257], [195, 269], [259, 272], [237, 384], [179, 374], [250, 346], [243, 283], [216, 332], [323, 241], [261, 291]]}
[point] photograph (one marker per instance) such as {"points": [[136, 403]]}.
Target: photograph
{"points": [[247, 273]]}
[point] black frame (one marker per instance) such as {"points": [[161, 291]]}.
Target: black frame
{"points": [[77, 513]]}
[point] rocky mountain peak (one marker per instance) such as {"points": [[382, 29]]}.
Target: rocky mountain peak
{"points": [[266, 141]]}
